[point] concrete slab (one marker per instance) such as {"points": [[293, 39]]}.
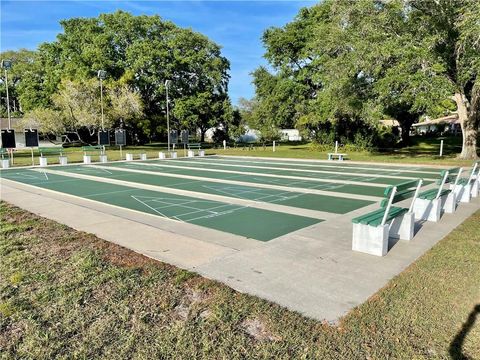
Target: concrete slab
{"points": [[312, 270]]}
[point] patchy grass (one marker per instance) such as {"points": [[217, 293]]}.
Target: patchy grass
{"points": [[68, 294]]}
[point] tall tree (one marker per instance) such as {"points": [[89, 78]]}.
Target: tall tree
{"points": [[76, 106], [361, 59], [142, 52], [455, 28]]}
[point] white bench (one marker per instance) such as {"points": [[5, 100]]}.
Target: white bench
{"points": [[469, 186], [429, 204], [339, 156], [371, 231], [476, 183], [131, 156]]}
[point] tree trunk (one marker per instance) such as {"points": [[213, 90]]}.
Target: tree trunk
{"points": [[405, 125], [469, 121]]}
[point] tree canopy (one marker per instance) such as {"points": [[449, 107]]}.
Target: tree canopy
{"points": [[139, 52], [348, 61]]}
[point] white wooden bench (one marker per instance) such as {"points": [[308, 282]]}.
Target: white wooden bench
{"points": [[469, 186], [371, 231], [195, 146], [476, 182], [430, 204], [339, 156]]}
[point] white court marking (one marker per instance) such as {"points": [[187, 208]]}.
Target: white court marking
{"points": [[303, 162], [263, 174], [260, 183], [241, 192], [326, 174], [166, 203]]}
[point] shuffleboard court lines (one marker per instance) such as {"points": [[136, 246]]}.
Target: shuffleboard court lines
{"points": [[258, 224], [359, 173], [298, 183], [324, 203], [325, 163], [336, 169], [346, 179]]}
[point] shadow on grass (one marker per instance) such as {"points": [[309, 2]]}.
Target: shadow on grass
{"points": [[455, 349]]}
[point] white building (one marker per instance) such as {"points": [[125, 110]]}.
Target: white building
{"points": [[290, 135], [449, 123]]}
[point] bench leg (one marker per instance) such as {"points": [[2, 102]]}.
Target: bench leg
{"points": [[450, 203], [466, 193], [340, 158], [403, 227], [428, 210], [458, 191], [63, 160], [474, 191], [370, 240]]}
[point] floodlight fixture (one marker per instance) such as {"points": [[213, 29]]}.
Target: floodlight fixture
{"points": [[102, 74]]}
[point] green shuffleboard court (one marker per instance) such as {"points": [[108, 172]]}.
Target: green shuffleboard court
{"points": [[358, 169], [371, 178], [332, 186], [295, 163], [337, 205], [258, 224]]}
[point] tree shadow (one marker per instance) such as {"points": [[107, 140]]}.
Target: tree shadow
{"points": [[455, 349]]}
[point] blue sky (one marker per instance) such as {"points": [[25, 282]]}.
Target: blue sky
{"points": [[235, 25]]}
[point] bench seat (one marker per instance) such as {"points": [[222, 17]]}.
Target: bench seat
{"points": [[371, 231], [51, 150], [92, 148], [340, 156], [432, 194], [432, 203], [374, 218]]}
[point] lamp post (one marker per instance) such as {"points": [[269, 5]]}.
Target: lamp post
{"points": [[7, 64], [102, 74], [167, 82]]}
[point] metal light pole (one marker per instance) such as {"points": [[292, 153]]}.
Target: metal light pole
{"points": [[102, 74], [7, 64], [167, 82]]}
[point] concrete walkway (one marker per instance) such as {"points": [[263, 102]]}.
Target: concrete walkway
{"points": [[312, 271]]}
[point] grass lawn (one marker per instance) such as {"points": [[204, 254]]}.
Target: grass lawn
{"points": [[68, 294], [423, 150]]}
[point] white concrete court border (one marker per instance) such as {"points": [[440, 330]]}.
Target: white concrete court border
{"points": [[316, 275]]}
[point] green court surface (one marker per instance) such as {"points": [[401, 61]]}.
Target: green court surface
{"points": [[234, 163], [196, 175], [376, 190], [316, 202], [336, 164], [371, 178], [250, 222]]}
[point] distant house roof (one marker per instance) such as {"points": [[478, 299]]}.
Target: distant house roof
{"points": [[450, 119]]}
